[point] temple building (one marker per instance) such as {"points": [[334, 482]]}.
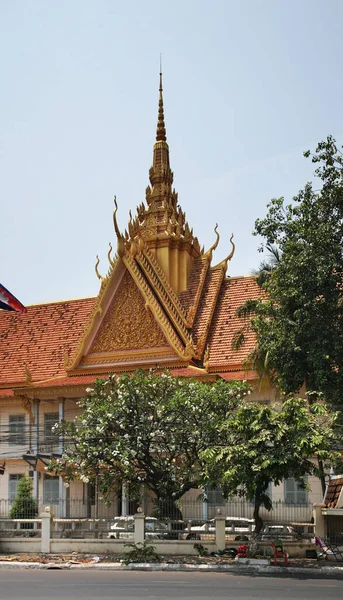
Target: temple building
{"points": [[162, 303]]}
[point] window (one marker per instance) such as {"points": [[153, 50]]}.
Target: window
{"points": [[50, 419], [16, 429], [51, 490], [293, 494], [13, 481]]}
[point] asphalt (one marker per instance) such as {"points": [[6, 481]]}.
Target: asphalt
{"points": [[325, 571], [122, 585]]}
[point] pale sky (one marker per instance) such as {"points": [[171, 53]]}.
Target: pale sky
{"points": [[248, 86]]}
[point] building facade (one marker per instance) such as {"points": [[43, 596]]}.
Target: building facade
{"points": [[162, 303]]}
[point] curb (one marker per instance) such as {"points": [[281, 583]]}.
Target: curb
{"points": [[243, 570]]}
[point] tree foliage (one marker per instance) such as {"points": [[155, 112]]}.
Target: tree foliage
{"points": [[266, 444], [24, 505], [299, 326], [146, 428]]}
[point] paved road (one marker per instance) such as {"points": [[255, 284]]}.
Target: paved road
{"points": [[121, 585]]}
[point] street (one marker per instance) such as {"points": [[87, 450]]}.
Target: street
{"points": [[135, 585]]}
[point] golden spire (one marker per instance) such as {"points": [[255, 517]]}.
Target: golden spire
{"points": [[161, 128]]}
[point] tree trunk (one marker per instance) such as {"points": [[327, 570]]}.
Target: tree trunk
{"points": [[167, 509], [322, 475], [253, 543]]}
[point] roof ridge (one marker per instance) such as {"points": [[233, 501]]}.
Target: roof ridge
{"points": [[175, 313], [60, 301]]}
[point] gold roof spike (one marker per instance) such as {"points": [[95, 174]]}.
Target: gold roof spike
{"points": [[223, 263], [121, 246], [209, 252], [28, 374], [161, 135], [110, 259], [102, 279]]}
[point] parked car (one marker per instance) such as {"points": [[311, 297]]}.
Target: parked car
{"points": [[283, 532], [123, 528], [239, 527]]}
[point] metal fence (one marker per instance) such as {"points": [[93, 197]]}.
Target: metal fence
{"points": [[183, 510]]}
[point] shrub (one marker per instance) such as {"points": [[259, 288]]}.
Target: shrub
{"points": [[25, 505], [141, 552]]}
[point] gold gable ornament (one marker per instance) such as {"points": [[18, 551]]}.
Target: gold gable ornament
{"points": [[127, 324]]}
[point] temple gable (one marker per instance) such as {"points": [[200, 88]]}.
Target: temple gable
{"points": [[128, 323]]}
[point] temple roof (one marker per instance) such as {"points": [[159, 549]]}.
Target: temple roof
{"points": [[161, 304], [33, 344], [234, 291]]}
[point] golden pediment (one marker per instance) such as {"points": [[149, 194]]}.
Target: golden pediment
{"points": [[128, 323]]}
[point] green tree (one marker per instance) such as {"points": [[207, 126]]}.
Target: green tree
{"points": [[299, 326], [266, 444], [147, 428], [24, 505]]}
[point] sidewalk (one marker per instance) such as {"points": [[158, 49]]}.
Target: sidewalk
{"points": [[301, 567]]}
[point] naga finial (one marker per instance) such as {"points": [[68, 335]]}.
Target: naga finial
{"points": [[102, 279], [28, 374], [233, 249], [215, 245], [121, 246], [110, 260], [116, 228], [223, 263]]}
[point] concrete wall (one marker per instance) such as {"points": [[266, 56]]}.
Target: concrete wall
{"points": [[176, 548]]}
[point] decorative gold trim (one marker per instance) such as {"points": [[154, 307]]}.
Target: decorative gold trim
{"points": [[78, 352], [223, 264], [192, 311], [102, 279], [26, 403], [28, 374], [209, 252], [159, 315], [207, 358], [105, 357], [120, 239]]}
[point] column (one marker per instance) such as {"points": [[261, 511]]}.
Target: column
{"points": [[124, 500], [35, 445], [62, 494], [45, 516], [319, 520], [204, 505], [139, 526], [220, 531]]}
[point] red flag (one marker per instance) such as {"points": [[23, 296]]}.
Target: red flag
{"points": [[10, 302]]}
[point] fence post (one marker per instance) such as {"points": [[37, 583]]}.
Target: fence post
{"points": [[220, 530], [319, 520], [45, 516], [139, 518]]}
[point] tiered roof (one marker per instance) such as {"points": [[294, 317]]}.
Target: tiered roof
{"points": [[161, 304]]}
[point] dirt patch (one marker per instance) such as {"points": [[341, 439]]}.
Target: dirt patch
{"points": [[83, 558]]}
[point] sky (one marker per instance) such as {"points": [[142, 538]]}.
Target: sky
{"points": [[248, 86]]}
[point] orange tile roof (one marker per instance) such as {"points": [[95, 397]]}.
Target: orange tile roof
{"points": [[333, 492], [239, 375], [188, 372], [187, 297], [6, 393], [72, 380], [207, 304], [39, 338], [225, 323]]}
